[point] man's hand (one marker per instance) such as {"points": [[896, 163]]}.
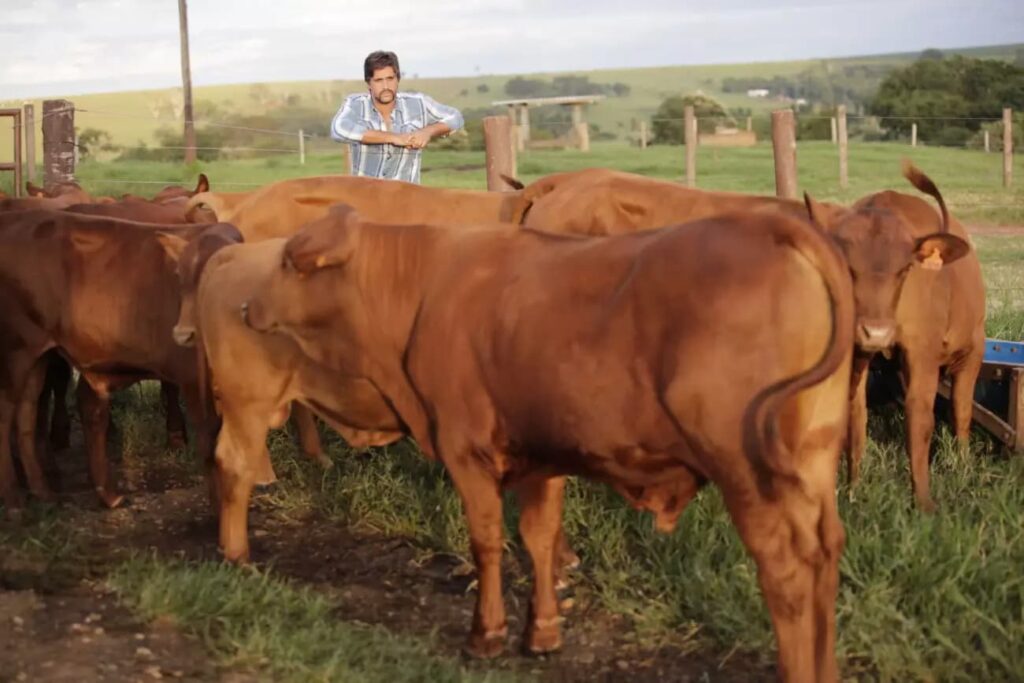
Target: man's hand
{"points": [[419, 139]]}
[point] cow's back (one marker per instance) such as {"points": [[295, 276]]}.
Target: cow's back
{"points": [[279, 209], [607, 202]]}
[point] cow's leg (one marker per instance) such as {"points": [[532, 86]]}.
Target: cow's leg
{"points": [[206, 425], [12, 495], [309, 438], [58, 378], [94, 410], [481, 498], [923, 382], [175, 421], [242, 460], [796, 542], [27, 431], [964, 378], [858, 426], [540, 523]]}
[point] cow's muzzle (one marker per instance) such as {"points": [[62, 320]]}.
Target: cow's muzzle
{"points": [[184, 336], [875, 335]]}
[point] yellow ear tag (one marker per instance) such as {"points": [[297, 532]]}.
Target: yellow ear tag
{"points": [[933, 261], [321, 261]]}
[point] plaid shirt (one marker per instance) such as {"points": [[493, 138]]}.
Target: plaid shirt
{"points": [[412, 112]]}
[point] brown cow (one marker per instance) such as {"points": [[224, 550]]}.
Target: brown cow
{"points": [[937, 319], [256, 377], [917, 286], [279, 209], [57, 197], [519, 357], [105, 294]]}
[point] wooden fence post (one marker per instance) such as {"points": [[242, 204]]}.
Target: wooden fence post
{"points": [[913, 135], [302, 148], [750, 123], [784, 147], [690, 139], [30, 141], [1007, 147], [835, 135], [988, 144], [500, 145], [643, 135], [58, 141], [844, 147]]}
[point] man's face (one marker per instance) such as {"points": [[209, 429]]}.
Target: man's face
{"points": [[384, 85]]}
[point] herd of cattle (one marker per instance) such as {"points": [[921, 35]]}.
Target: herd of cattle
{"points": [[518, 337]]}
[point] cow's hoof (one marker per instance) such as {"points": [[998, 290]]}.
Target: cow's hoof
{"points": [[540, 640], [486, 645], [568, 560], [237, 557], [321, 459], [927, 506], [110, 499], [175, 440]]}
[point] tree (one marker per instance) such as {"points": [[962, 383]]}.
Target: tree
{"points": [[91, 140], [932, 54], [948, 99], [667, 122]]}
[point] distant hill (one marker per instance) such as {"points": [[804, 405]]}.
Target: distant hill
{"points": [[132, 118]]}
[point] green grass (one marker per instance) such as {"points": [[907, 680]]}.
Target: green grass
{"points": [[922, 597], [970, 180], [253, 620]]}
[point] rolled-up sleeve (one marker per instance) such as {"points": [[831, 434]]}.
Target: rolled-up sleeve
{"points": [[348, 124], [440, 113]]}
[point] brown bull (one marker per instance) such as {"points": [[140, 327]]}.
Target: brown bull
{"points": [[103, 292], [931, 306], [518, 357]]}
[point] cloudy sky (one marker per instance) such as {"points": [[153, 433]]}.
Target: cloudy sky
{"points": [[68, 47]]}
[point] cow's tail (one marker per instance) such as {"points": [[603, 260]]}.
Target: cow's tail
{"points": [[923, 183], [762, 441], [202, 376]]}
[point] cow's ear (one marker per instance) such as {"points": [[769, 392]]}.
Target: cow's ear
{"points": [[203, 185], [34, 190], [939, 249], [172, 244], [816, 212]]}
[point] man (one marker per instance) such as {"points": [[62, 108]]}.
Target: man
{"points": [[387, 129]]}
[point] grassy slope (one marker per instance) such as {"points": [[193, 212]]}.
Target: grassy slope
{"points": [[131, 117]]}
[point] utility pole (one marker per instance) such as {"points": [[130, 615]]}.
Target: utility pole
{"points": [[186, 82]]}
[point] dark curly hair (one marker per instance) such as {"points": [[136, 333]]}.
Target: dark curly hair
{"points": [[380, 60]]}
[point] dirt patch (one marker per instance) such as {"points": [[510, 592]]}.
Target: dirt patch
{"points": [[73, 629]]}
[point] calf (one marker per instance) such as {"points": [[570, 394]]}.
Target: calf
{"points": [[518, 357], [917, 287], [257, 378]]}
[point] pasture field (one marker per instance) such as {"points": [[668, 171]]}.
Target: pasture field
{"points": [[361, 570], [133, 117]]}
